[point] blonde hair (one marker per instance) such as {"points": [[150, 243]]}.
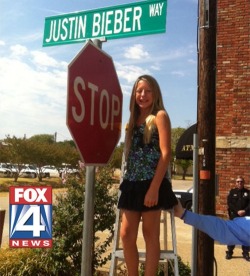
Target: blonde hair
{"points": [[149, 128], [135, 111]]}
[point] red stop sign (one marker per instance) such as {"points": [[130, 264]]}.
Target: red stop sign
{"points": [[94, 105]]}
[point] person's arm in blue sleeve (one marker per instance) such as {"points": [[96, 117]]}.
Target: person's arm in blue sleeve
{"points": [[235, 231]]}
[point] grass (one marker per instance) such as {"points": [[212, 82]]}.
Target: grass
{"points": [[5, 183]]}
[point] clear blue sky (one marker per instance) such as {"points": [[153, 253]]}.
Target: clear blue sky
{"points": [[33, 79]]}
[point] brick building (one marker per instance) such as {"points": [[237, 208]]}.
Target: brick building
{"points": [[232, 97]]}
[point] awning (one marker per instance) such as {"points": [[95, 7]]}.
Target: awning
{"points": [[184, 147]]}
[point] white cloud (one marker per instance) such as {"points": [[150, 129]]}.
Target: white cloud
{"points": [[136, 52], [32, 36], [41, 60], [192, 61], [156, 67], [33, 101], [18, 50], [130, 72], [178, 73], [174, 54]]}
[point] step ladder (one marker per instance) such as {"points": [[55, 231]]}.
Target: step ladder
{"points": [[165, 253]]}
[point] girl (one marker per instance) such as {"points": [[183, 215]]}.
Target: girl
{"points": [[146, 188]]}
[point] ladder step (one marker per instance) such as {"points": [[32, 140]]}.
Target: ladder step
{"points": [[164, 254]]}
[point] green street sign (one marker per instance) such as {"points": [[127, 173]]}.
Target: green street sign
{"points": [[134, 19]]}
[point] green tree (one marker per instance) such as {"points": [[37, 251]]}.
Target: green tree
{"points": [[17, 153], [43, 138], [41, 154], [4, 156], [116, 160], [68, 216], [39, 150], [68, 154], [175, 135], [184, 164]]}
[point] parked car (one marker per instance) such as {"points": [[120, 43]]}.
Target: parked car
{"points": [[4, 170], [13, 168], [50, 171], [28, 171], [67, 169], [185, 197]]}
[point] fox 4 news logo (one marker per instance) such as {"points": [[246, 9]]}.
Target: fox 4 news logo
{"points": [[30, 217]]}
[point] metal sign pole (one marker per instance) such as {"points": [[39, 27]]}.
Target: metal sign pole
{"points": [[88, 219], [195, 202], [88, 222]]}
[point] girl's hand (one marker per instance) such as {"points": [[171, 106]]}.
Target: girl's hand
{"points": [[241, 213], [151, 197]]}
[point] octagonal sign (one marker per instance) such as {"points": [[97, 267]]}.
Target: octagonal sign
{"points": [[94, 105]]}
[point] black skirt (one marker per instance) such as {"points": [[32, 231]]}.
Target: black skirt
{"points": [[133, 194]]}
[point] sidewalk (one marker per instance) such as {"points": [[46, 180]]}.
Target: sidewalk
{"points": [[181, 184]]}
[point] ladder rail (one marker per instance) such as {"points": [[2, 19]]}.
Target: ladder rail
{"points": [[165, 254], [114, 259], [117, 226]]}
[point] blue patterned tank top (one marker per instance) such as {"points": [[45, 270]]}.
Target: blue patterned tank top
{"points": [[142, 158]]}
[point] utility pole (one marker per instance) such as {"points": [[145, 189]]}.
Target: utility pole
{"points": [[206, 129]]}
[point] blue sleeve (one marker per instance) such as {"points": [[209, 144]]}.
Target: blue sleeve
{"points": [[224, 231]]}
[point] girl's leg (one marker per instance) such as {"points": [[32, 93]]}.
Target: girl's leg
{"points": [[151, 233], [128, 233]]}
